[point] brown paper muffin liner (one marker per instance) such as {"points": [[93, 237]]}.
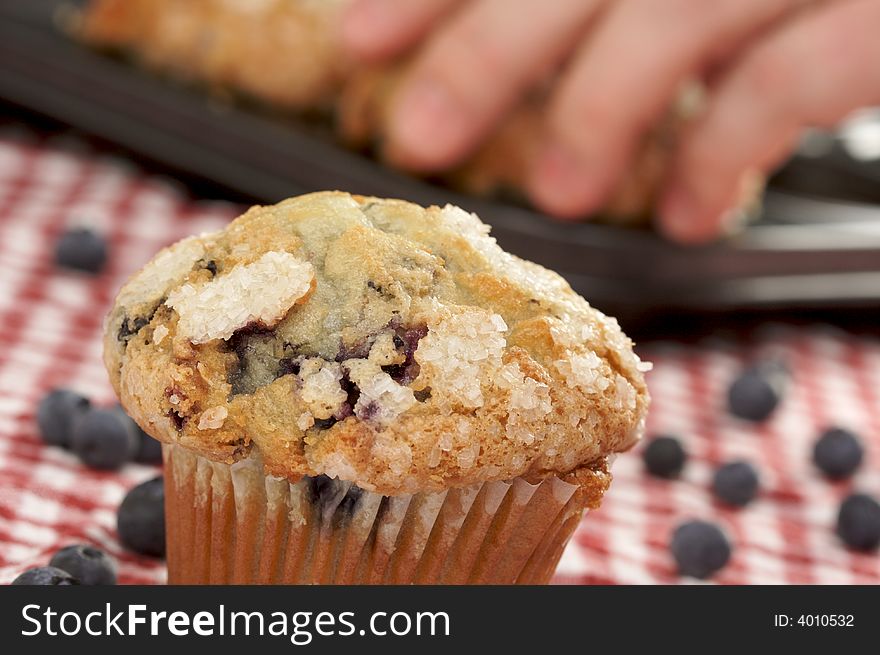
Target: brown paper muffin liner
{"points": [[232, 524]]}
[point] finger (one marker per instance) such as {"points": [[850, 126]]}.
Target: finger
{"points": [[474, 70], [811, 72], [374, 30], [622, 82]]}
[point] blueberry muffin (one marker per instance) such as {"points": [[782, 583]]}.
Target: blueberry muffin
{"points": [[281, 52], [351, 389]]}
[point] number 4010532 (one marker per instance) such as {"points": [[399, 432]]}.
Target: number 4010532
{"points": [[814, 621]]}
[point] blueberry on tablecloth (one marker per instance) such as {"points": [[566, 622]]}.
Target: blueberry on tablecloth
{"points": [[141, 518], [756, 392], [81, 249], [838, 453], [735, 483], [103, 438], [699, 548], [664, 457], [89, 565], [858, 522], [149, 450], [57, 412], [45, 575]]}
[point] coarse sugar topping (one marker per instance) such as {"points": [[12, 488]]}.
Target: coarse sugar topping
{"points": [[261, 292], [381, 399], [528, 403], [159, 334], [165, 269], [321, 390], [213, 418], [583, 371], [460, 345]]}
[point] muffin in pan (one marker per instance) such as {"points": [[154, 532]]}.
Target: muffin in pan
{"points": [[351, 389], [501, 165], [282, 52], [286, 54]]}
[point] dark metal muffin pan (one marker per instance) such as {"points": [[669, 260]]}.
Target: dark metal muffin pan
{"points": [[803, 252]]}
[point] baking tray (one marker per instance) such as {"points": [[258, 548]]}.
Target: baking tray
{"points": [[804, 252]]}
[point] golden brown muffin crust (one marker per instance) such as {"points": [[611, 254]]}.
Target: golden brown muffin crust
{"points": [[372, 340]]}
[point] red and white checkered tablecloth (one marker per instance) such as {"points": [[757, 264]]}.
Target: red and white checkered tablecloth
{"points": [[50, 327]]}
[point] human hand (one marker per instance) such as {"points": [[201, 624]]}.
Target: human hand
{"points": [[772, 67]]}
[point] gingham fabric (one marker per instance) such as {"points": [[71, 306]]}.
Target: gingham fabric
{"points": [[50, 328]]}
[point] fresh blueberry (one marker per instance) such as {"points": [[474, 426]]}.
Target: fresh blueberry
{"points": [[736, 483], [86, 563], [45, 575], [838, 453], [699, 548], [664, 457], [141, 519], [757, 391], [81, 249], [858, 522], [149, 450], [104, 439], [56, 414]]}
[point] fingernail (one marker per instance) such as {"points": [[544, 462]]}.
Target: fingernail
{"points": [[679, 213], [363, 23], [732, 220], [367, 15], [565, 183], [429, 124]]}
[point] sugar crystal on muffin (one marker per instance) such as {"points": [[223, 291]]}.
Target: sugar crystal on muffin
{"points": [[261, 292]]}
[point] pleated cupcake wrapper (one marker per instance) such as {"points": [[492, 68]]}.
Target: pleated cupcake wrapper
{"points": [[235, 525]]}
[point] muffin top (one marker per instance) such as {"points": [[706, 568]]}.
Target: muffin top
{"points": [[376, 341]]}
